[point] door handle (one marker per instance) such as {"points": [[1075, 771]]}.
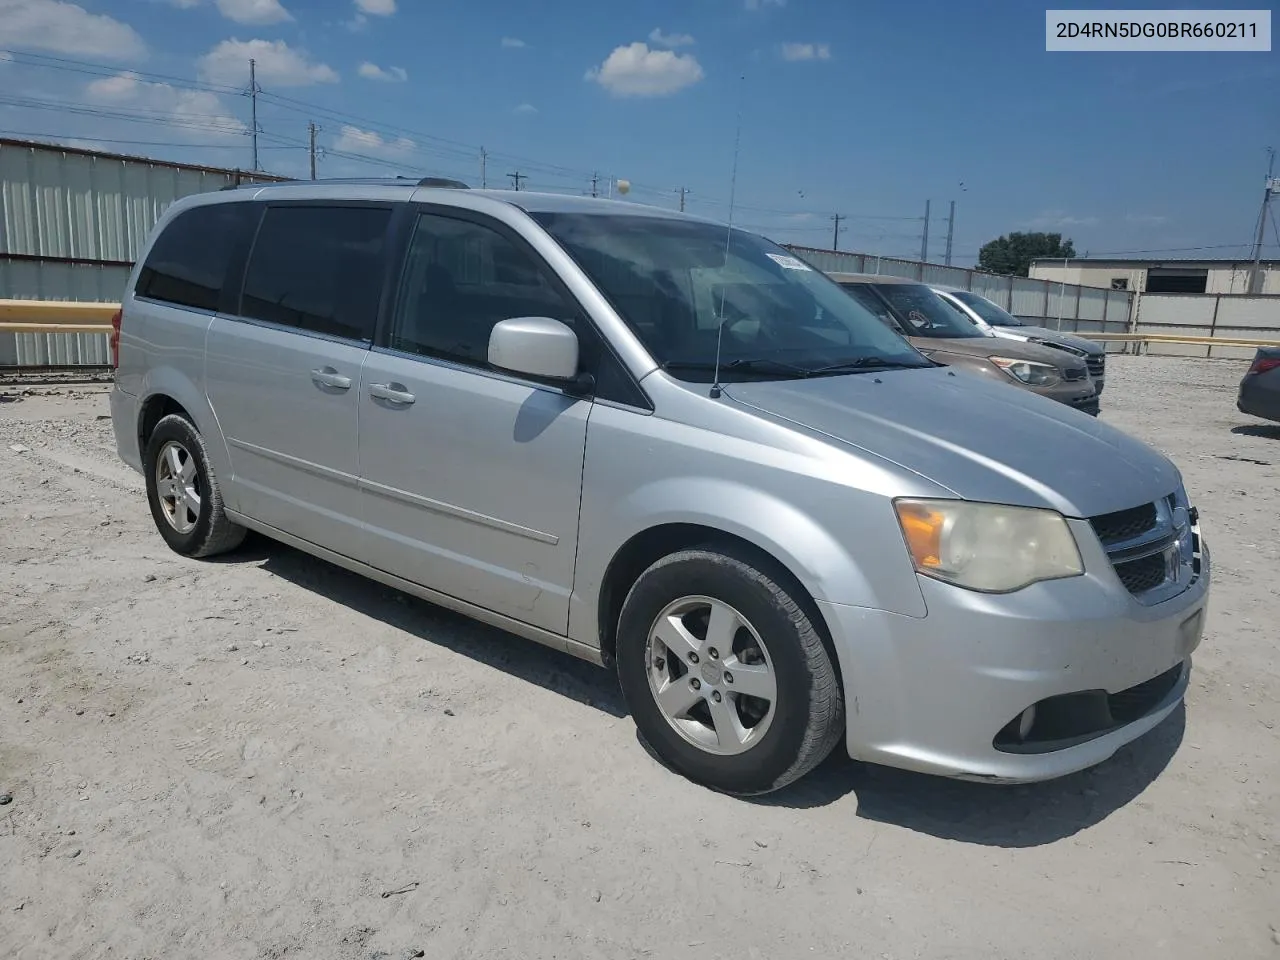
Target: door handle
{"points": [[392, 393], [329, 377]]}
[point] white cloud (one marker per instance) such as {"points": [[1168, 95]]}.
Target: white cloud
{"points": [[278, 64], [354, 140], [357, 23], [198, 112], [371, 71], [1059, 220], [377, 8], [637, 71], [1147, 219], [806, 51], [660, 39], [254, 11], [68, 28], [526, 108], [513, 43]]}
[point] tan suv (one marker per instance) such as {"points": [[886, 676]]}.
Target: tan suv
{"points": [[936, 330]]}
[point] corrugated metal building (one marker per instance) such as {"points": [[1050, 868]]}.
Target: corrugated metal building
{"points": [[71, 223], [1162, 276]]}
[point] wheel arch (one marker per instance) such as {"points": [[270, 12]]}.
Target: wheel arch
{"points": [[167, 390], [652, 544]]}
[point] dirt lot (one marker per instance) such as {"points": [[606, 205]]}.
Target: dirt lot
{"points": [[267, 757]]}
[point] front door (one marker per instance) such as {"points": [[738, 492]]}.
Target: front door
{"points": [[470, 477], [283, 373]]}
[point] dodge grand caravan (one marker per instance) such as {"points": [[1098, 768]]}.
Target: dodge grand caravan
{"points": [[670, 448]]}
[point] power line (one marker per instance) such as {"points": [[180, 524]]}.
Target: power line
{"points": [[517, 177]]}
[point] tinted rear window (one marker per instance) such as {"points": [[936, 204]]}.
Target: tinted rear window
{"points": [[188, 262], [318, 269]]}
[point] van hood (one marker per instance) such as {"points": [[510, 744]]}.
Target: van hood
{"points": [[995, 346], [981, 440], [1047, 333]]}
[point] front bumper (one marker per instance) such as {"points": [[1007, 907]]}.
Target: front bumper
{"points": [[1080, 395], [935, 694]]}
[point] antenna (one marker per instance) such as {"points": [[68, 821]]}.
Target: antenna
{"points": [[728, 239]]}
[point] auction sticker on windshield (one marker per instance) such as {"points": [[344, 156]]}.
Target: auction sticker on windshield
{"points": [[788, 263]]}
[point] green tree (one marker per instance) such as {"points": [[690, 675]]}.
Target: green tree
{"points": [[1014, 252]]}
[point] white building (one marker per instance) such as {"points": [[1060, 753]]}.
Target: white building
{"points": [[1159, 276]]}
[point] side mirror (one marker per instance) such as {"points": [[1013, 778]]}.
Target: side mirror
{"points": [[535, 346]]}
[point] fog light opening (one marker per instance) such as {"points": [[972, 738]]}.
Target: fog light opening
{"points": [[1026, 721]]}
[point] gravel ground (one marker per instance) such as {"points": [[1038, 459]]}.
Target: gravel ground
{"points": [[265, 757]]}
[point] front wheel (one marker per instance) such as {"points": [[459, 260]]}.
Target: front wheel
{"points": [[726, 676]]}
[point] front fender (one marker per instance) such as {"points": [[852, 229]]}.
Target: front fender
{"points": [[836, 540]]}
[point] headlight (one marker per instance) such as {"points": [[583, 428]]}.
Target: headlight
{"points": [[1028, 371], [986, 546]]}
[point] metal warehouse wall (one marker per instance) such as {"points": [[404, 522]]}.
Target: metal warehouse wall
{"points": [[1225, 316], [71, 224]]}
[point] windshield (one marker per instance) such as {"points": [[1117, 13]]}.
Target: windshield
{"points": [[988, 311], [679, 287], [922, 313]]}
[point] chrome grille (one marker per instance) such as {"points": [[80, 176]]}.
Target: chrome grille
{"points": [[1124, 524], [1154, 547]]}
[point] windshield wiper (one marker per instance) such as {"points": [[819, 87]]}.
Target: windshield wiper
{"points": [[746, 364], [866, 363]]}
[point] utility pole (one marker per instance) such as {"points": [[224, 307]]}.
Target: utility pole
{"points": [[595, 184], [484, 181], [311, 127], [682, 191], [517, 177], [1273, 186], [835, 234], [253, 99], [951, 227], [924, 239]]}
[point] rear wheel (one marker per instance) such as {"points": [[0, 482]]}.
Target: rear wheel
{"points": [[726, 676], [186, 502]]}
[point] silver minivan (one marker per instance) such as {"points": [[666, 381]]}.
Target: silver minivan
{"points": [[670, 448]]}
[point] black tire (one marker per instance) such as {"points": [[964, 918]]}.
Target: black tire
{"points": [[213, 533], [808, 719]]}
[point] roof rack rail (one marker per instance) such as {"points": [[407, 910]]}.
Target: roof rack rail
{"points": [[443, 182]]}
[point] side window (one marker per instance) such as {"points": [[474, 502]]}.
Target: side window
{"points": [[318, 269], [460, 279], [188, 262]]}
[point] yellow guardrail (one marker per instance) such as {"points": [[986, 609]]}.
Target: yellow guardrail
{"points": [[55, 316], [1186, 340]]}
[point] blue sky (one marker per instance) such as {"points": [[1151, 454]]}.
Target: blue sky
{"points": [[865, 109]]}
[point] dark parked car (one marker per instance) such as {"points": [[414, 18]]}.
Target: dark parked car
{"points": [[1260, 388]]}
